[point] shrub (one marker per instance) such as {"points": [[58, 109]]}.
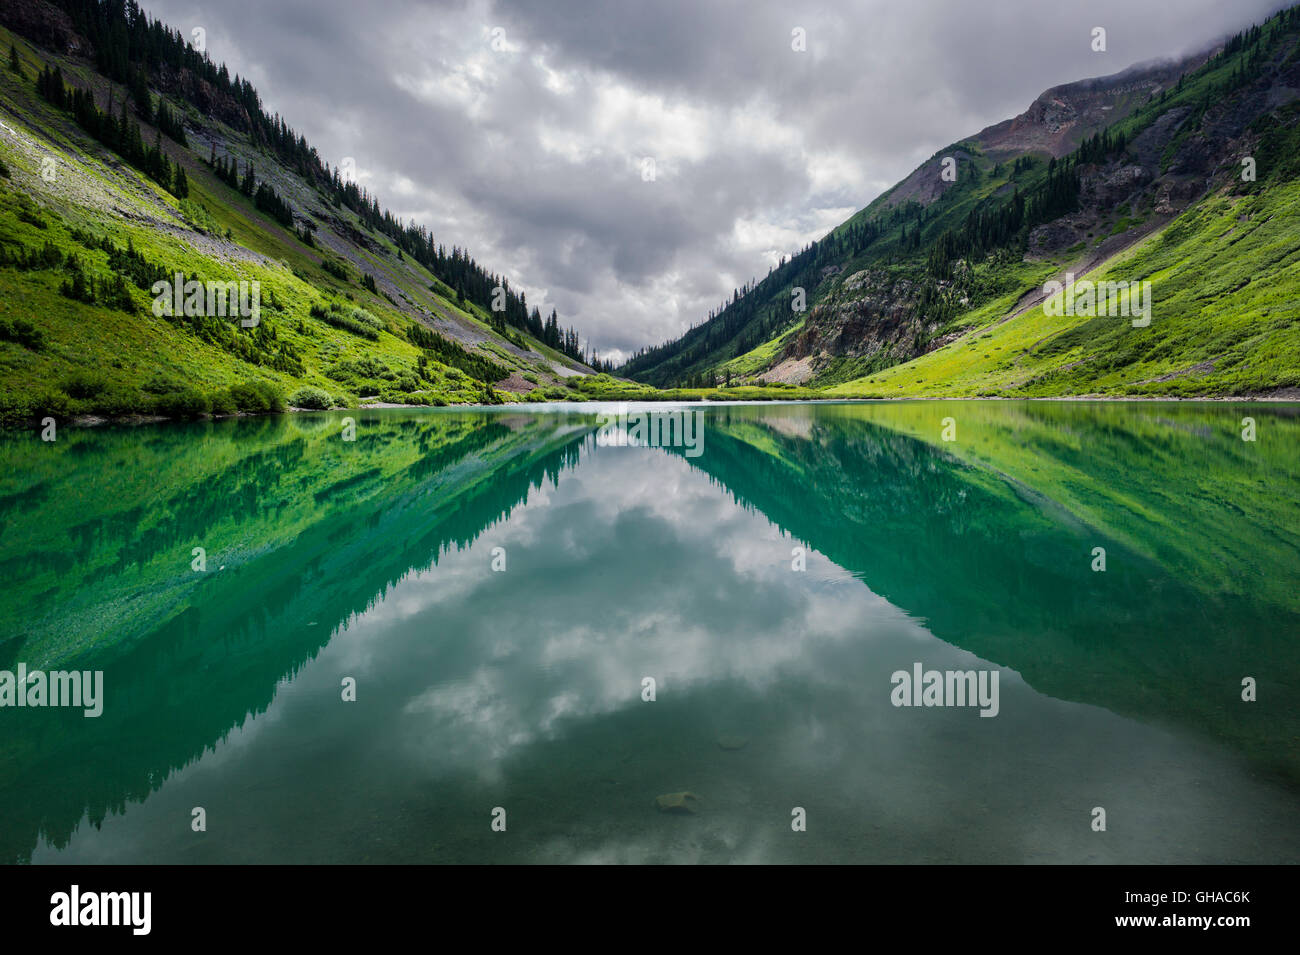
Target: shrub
{"points": [[187, 403], [160, 383], [119, 400], [223, 403], [312, 398], [257, 396], [364, 372], [336, 269], [23, 333], [334, 315], [199, 217], [84, 385], [366, 318], [17, 410]]}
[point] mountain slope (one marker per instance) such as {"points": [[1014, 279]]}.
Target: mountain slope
{"points": [[354, 304], [935, 288]]}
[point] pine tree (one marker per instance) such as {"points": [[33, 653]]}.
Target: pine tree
{"points": [[139, 85], [15, 64]]}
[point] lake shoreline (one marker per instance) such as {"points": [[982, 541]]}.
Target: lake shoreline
{"points": [[95, 421]]}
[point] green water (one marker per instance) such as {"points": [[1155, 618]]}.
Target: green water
{"points": [[522, 688]]}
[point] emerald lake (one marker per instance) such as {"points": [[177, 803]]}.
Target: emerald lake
{"points": [[498, 585]]}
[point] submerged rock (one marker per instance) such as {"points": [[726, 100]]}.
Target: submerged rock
{"points": [[677, 802], [733, 741]]}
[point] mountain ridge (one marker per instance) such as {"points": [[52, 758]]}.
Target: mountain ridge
{"points": [[939, 259], [357, 305]]}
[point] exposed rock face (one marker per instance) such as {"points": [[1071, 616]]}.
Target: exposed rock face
{"points": [[206, 97], [874, 313], [1062, 117], [790, 371], [45, 24], [926, 184], [1055, 236]]}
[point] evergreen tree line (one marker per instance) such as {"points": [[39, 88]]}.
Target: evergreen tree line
{"points": [[111, 292], [168, 123], [759, 311], [265, 198], [79, 284], [996, 225], [120, 134], [126, 262], [450, 353]]}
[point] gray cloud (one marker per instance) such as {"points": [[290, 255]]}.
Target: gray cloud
{"points": [[530, 156]]}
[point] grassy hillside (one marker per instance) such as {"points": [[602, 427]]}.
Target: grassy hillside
{"points": [[1225, 320], [934, 288], [345, 316]]}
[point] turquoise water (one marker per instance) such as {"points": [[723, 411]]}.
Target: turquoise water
{"points": [[521, 688]]}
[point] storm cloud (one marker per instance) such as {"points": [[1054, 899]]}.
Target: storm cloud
{"points": [[520, 130]]}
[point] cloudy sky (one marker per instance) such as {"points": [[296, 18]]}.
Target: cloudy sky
{"points": [[520, 129]]}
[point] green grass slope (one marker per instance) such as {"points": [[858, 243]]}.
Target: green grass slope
{"points": [[1225, 320], [338, 309]]}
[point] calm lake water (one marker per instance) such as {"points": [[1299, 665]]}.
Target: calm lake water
{"points": [[521, 687]]}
